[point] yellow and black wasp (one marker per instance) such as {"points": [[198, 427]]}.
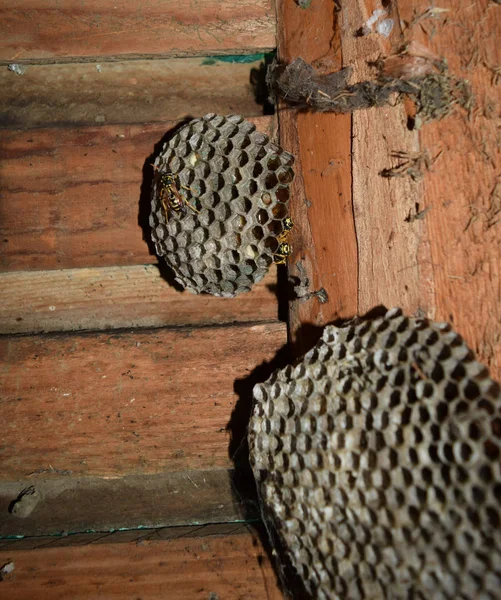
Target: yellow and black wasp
{"points": [[170, 197], [284, 249]]}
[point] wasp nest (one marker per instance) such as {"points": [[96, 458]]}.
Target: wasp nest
{"points": [[232, 188], [378, 462]]}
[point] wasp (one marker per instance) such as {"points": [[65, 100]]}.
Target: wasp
{"points": [[283, 251], [170, 197]]}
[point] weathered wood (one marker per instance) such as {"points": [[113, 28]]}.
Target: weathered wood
{"points": [[138, 91], [231, 566], [128, 403], [70, 505], [463, 189], [120, 297], [324, 242], [48, 30], [390, 272], [79, 197]]}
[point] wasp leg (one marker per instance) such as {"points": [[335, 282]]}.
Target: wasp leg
{"points": [[279, 260], [187, 203], [165, 210]]}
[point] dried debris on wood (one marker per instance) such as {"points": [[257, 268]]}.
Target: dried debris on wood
{"points": [[25, 503], [6, 570], [414, 72], [412, 164], [418, 215]]}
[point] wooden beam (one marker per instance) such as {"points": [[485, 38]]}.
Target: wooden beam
{"points": [[138, 91], [120, 297], [79, 197], [66, 505], [230, 566], [48, 30], [130, 403], [324, 259]]}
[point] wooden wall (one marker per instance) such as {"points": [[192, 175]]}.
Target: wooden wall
{"points": [[123, 400]]}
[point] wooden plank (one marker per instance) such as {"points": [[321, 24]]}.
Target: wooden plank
{"points": [[138, 91], [120, 297], [49, 30], [66, 505], [324, 242], [79, 197], [390, 270], [129, 403], [231, 566], [463, 189]]}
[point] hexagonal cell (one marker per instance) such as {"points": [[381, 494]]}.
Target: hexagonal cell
{"points": [[259, 138], [238, 223], [232, 257], [258, 233], [175, 165], [241, 205], [232, 241], [279, 211], [250, 251], [211, 199], [224, 146], [183, 239], [248, 188], [219, 163], [257, 169], [189, 222], [262, 216], [213, 262], [282, 194], [171, 244], [271, 243], [275, 227], [200, 235], [222, 212], [285, 175], [202, 170], [273, 162], [266, 198], [270, 181], [182, 149], [207, 152], [216, 229], [230, 272], [215, 182], [196, 251], [206, 217], [229, 129], [196, 141]]}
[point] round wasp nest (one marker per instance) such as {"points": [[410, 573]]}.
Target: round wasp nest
{"points": [[221, 221], [378, 463]]}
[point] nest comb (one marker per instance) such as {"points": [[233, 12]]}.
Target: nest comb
{"points": [[238, 183], [377, 460]]}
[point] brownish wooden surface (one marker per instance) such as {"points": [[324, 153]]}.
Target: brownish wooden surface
{"points": [[119, 297], [66, 504], [127, 403], [134, 91], [79, 197], [53, 30], [324, 242], [234, 566]]}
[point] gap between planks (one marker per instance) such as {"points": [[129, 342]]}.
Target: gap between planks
{"points": [[46, 30], [120, 297], [126, 403], [67, 506], [140, 91], [228, 566]]}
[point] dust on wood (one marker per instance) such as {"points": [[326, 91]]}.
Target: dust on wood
{"points": [[231, 566], [47, 30], [133, 91], [120, 297], [125, 403]]}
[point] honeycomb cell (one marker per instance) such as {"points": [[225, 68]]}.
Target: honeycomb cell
{"points": [[381, 477]]}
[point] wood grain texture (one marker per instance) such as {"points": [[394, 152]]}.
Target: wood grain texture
{"points": [[231, 566], [323, 241], [69, 505], [390, 268], [126, 403], [138, 91], [50, 30], [463, 190], [120, 297], [79, 197]]}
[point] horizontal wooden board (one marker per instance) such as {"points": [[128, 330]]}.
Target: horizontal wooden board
{"points": [[66, 505], [79, 197], [209, 568], [51, 30], [129, 403], [120, 297], [136, 91]]}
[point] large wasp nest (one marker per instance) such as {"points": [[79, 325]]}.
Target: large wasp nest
{"points": [[378, 463], [227, 228]]}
